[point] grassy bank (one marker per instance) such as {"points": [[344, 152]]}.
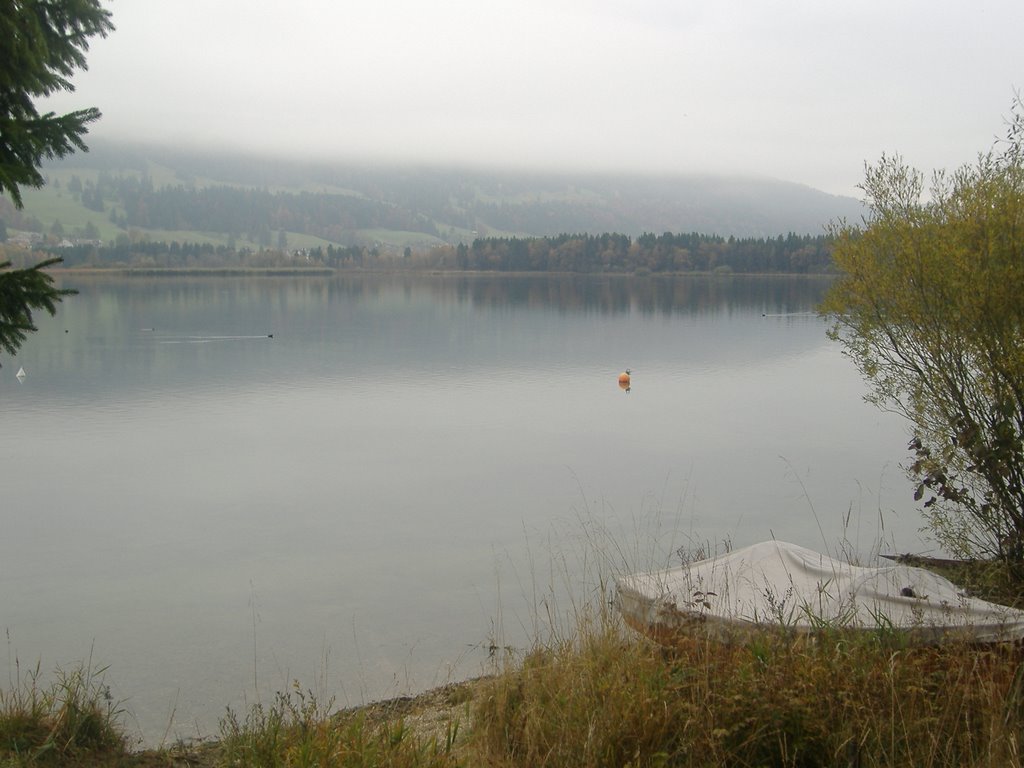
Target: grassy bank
{"points": [[73, 720], [597, 694]]}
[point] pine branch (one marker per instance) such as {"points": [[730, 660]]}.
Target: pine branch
{"points": [[23, 291]]}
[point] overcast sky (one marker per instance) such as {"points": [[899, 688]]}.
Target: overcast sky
{"points": [[804, 91]]}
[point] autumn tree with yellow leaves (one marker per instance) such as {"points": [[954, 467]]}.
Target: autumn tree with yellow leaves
{"points": [[930, 307]]}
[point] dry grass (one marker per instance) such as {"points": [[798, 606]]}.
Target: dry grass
{"points": [[606, 696], [597, 694], [609, 698], [297, 731], [72, 721]]}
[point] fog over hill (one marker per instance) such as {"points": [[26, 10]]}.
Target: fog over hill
{"points": [[454, 204]]}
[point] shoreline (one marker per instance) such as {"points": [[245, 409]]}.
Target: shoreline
{"points": [[127, 271], [426, 715]]}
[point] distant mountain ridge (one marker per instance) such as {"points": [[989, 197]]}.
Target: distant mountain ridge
{"points": [[349, 203]]}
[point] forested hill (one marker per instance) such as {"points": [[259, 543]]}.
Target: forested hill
{"points": [[260, 202]]}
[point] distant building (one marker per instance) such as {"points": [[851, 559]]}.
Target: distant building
{"points": [[24, 239]]}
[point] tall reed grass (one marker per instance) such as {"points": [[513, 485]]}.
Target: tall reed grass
{"points": [[297, 731], [606, 697], [73, 719], [591, 693]]}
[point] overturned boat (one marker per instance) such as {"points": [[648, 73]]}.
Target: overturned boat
{"points": [[778, 585]]}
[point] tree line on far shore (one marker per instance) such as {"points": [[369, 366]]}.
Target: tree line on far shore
{"points": [[666, 253], [649, 253]]}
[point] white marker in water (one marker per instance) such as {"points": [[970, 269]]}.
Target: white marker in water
{"points": [[20, 374]]}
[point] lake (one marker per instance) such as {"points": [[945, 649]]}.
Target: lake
{"points": [[216, 486]]}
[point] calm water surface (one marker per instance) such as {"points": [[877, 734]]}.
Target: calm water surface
{"points": [[408, 471]]}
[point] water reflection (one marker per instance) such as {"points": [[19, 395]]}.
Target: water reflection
{"points": [[566, 293], [606, 295], [146, 336]]}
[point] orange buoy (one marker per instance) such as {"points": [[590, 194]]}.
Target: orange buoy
{"points": [[624, 380]]}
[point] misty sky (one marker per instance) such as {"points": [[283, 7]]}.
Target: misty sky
{"points": [[798, 90]]}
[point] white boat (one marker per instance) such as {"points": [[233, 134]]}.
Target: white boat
{"points": [[20, 374], [775, 584]]}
